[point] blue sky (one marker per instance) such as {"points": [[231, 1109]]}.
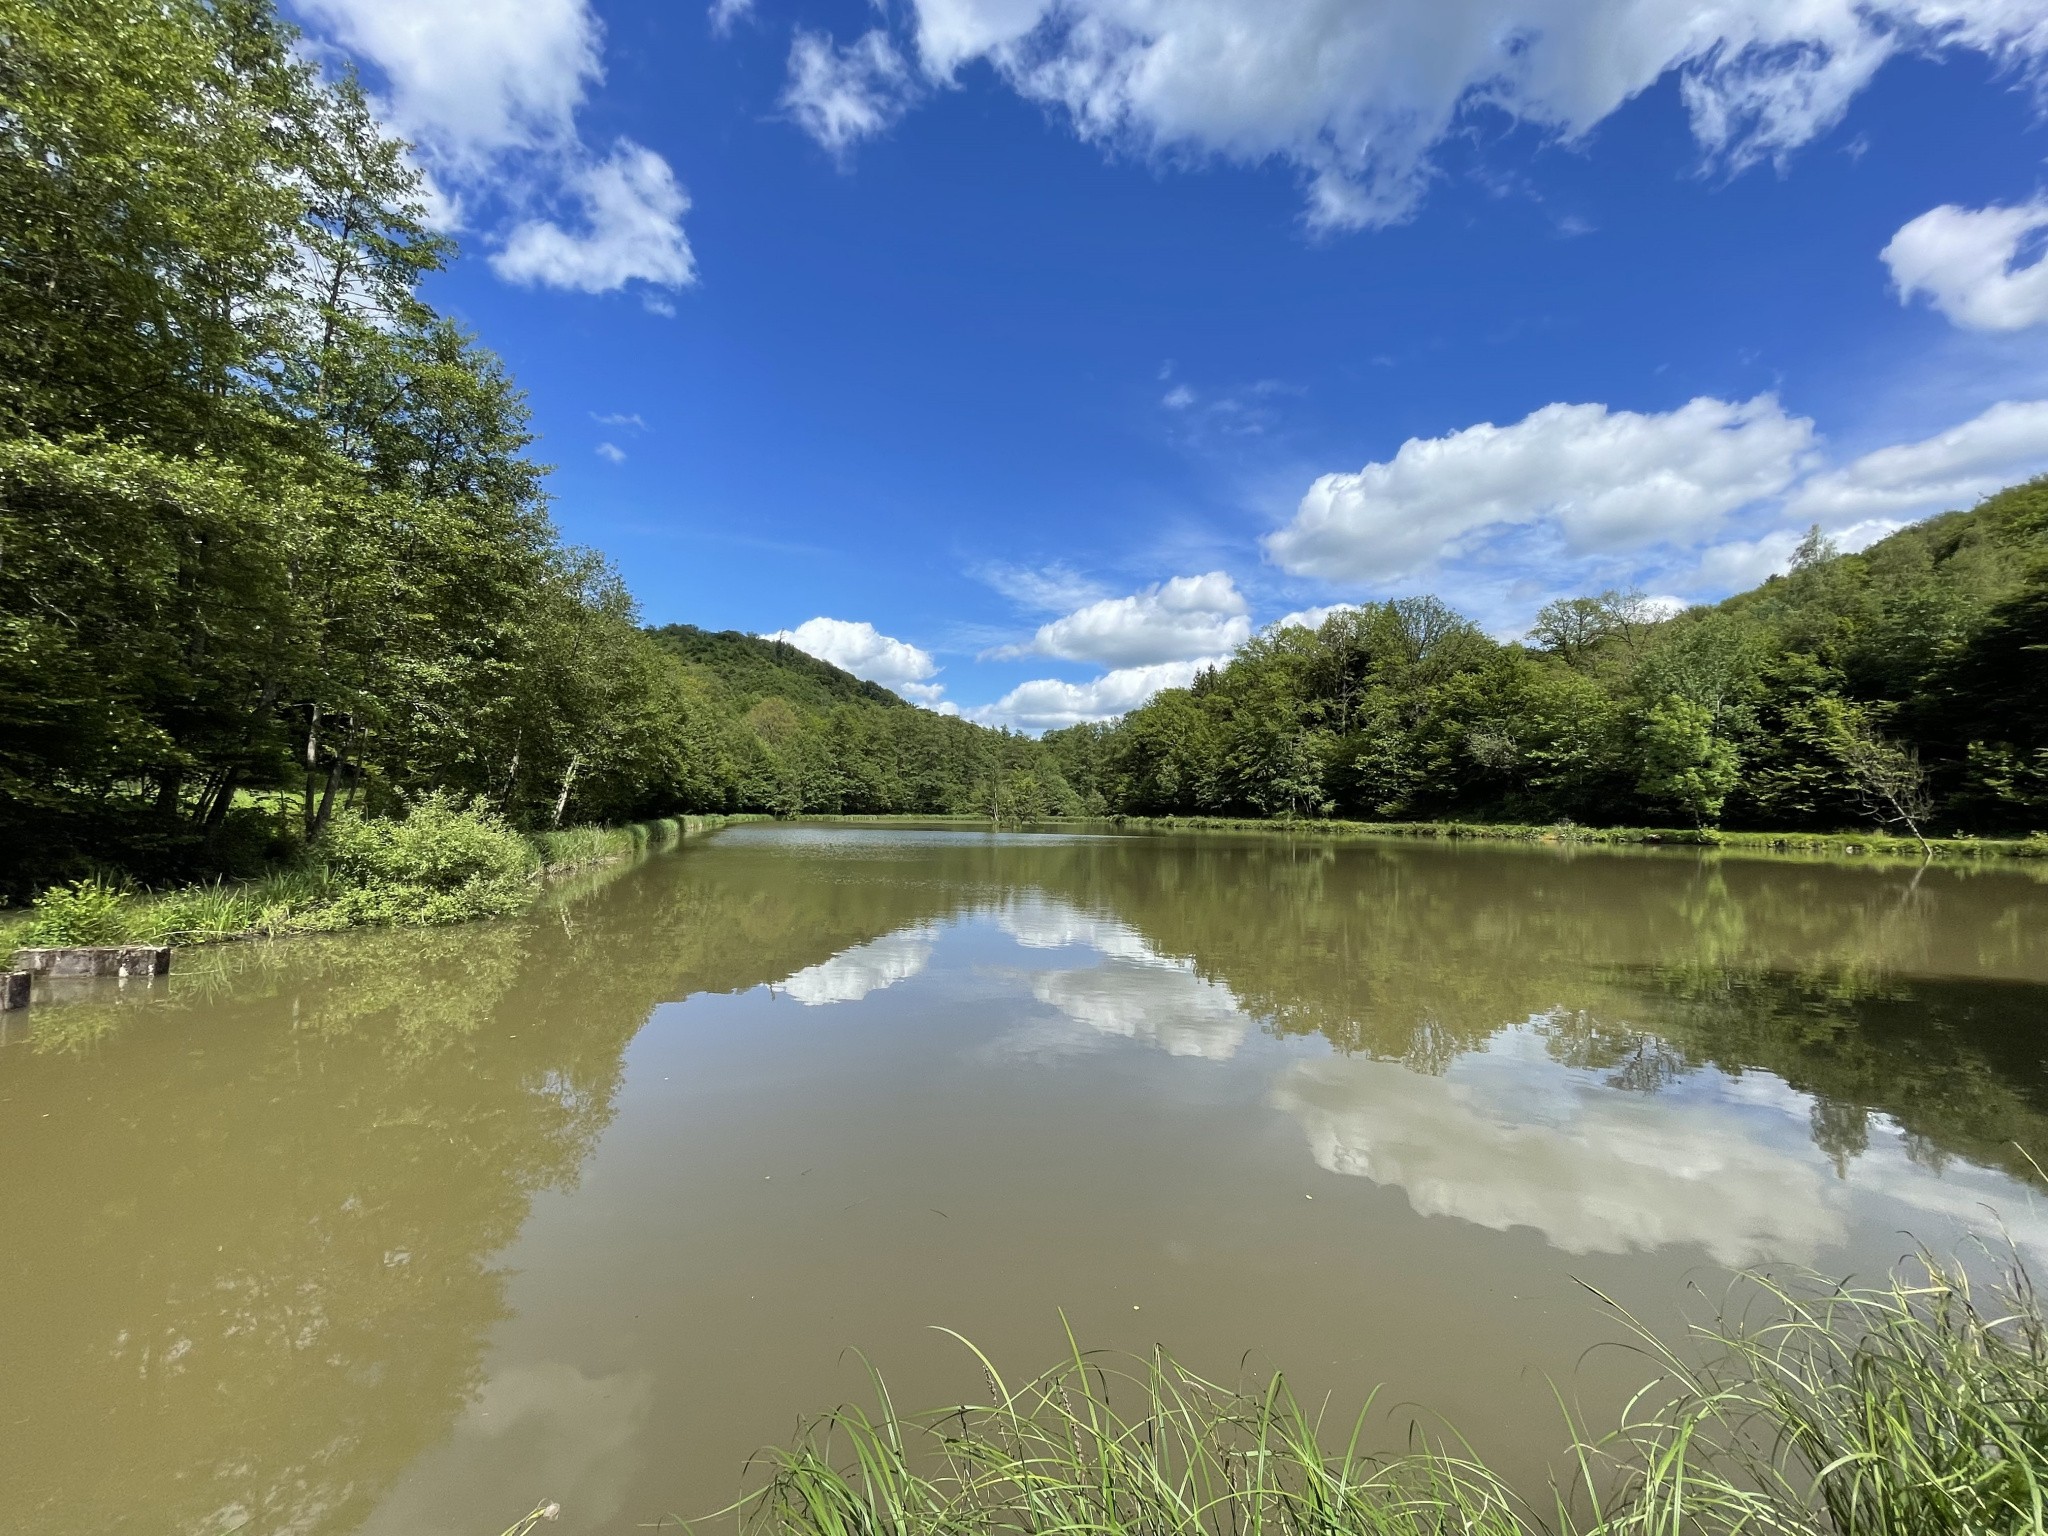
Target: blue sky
{"points": [[1025, 354]]}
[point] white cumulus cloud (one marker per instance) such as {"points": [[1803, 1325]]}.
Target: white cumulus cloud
{"points": [[1358, 96], [487, 91], [1604, 479], [1311, 618], [1956, 468], [1701, 501], [866, 652], [1967, 263], [631, 228], [1048, 703], [1176, 620], [466, 80], [840, 95]]}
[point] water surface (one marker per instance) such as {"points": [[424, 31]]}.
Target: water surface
{"points": [[402, 1233]]}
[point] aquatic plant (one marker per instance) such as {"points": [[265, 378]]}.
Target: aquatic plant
{"points": [[572, 847], [443, 862], [1910, 1408], [1918, 1407], [1118, 1450], [200, 914]]}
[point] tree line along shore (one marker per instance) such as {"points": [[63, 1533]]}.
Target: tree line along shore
{"points": [[276, 557]]}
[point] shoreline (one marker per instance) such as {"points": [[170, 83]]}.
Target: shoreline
{"points": [[1843, 845], [557, 855]]}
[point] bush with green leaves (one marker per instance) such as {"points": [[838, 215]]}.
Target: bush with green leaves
{"points": [[438, 845], [83, 912], [443, 862]]}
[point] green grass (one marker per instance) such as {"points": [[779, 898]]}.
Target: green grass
{"points": [[1828, 844], [1856, 844], [441, 864], [1915, 1407]]}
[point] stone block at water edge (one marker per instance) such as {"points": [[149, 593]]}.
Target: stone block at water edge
{"points": [[96, 960]]}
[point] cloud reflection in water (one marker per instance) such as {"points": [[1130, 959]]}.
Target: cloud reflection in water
{"points": [[1509, 1138], [1132, 990], [849, 977]]}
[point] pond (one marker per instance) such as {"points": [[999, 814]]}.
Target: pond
{"points": [[406, 1232]]}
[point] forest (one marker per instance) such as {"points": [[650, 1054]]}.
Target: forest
{"points": [[274, 547], [273, 542], [1904, 686]]}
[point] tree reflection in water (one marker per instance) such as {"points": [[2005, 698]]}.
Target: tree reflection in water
{"points": [[256, 1208]]}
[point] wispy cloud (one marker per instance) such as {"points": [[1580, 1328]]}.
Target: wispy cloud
{"points": [[1041, 589], [841, 94]]}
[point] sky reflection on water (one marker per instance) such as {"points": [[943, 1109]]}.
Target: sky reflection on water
{"points": [[404, 1232]]}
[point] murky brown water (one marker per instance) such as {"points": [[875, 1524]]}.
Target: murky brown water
{"points": [[402, 1233]]}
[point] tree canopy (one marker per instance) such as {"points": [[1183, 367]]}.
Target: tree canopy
{"points": [[1906, 685], [273, 542], [269, 521]]}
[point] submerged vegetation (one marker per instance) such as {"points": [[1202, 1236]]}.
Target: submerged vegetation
{"points": [[1912, 1408]]}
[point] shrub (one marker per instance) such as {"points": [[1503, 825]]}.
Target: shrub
{"points": [[84, 912], [440, 845], [443, 863]]}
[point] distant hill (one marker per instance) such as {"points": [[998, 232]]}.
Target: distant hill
{"points": [[748, 668]]}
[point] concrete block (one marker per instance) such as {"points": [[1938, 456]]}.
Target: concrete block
{"points": [[13, 990], [97, 960]]}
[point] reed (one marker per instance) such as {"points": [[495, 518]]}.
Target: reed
{"points": [[574, 847], [1916, 1407], [1100, 1448]]}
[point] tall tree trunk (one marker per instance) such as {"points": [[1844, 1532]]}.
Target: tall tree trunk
{"points": [[333, 787], [355, 781], [309, 758], [568, 781], [223, 801], [169, 786]]}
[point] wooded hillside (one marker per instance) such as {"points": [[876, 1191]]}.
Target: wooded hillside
{"points": [[1906, 685], [269, 523], [273, 543]]}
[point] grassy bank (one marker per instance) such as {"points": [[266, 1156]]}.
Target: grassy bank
{"points": [[1913, 1408], [442, 863], [1828, 844], [574, 848], [1567, 834]]}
